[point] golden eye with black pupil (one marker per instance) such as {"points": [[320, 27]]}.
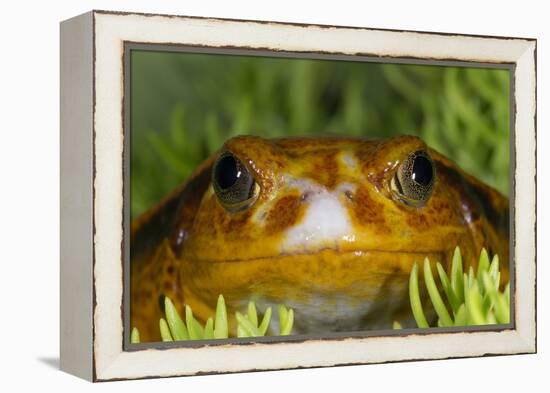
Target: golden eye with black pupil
{"points": [[414, 179], [233, 183]]}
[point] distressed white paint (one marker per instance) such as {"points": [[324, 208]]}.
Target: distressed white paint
{"points": [[110, 32]]}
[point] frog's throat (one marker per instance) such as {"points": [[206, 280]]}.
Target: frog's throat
{"points": [[364, 278]]}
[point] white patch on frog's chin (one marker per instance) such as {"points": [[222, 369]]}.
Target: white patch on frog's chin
{"points": [[326, 221]]}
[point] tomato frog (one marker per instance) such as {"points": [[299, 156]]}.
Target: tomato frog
{"points": [[328, 226]]}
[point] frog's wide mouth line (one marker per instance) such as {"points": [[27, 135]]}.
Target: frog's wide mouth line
{"points": [[325, 253]]}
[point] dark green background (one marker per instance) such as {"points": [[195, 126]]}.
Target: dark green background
{"points": [[184, 106]]}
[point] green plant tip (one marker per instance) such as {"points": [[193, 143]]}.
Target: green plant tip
{"points": [[220, 322], [414, 296], [247, 326], [286, 329], [265, 322], [177, 327], [252, 314], [165, 330], [134, 336]]}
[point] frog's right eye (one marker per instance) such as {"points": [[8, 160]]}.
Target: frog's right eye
{"points": [[233, 183], [414, 179]]}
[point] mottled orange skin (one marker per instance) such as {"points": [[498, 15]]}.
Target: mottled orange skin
{"points": [[192, 249]]}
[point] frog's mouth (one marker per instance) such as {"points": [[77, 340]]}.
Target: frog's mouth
{"points": [[371, 256], [329, 271]]}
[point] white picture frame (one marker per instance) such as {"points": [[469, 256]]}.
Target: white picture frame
{"points": [[93, 333]]}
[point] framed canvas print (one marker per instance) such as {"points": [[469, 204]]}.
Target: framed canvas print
{"points": [[245, 195]]}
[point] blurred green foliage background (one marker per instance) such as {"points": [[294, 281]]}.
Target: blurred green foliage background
{"points": [[184, 106]]}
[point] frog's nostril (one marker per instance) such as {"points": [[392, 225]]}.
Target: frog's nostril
{"points": [[305, 196]]}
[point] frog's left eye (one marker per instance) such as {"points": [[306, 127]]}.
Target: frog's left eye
{"points": [[233, 183], [414, 179]]}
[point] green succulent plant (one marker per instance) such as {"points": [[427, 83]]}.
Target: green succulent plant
{"points": [[175, 328], [472, 298]]}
